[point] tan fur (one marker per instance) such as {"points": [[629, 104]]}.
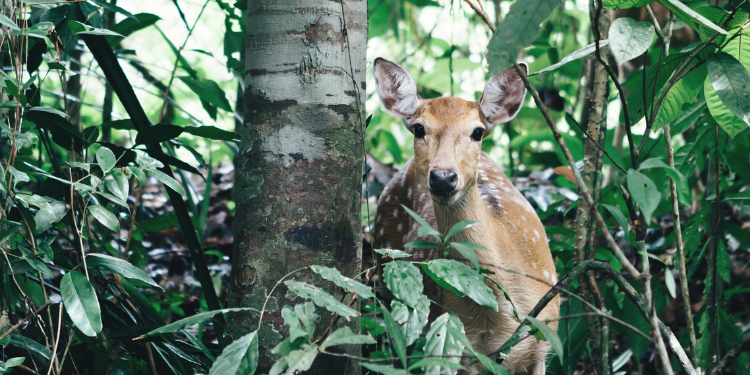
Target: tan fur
{"points": [[508, 227]]}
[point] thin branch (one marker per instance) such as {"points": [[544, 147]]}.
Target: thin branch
{"points": [[601, 148], [15, 326], [731, 355], [482, 14]]}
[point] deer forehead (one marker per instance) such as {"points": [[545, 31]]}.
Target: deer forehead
{"points": [[449, 112]]}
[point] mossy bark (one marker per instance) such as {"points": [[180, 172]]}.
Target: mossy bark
{"points": [[299, 175]]}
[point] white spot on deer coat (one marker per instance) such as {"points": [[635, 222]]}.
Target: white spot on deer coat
{"points": [[546, 274]]}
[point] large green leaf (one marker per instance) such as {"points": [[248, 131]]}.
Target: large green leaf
{"points": [[166, 180], [730, 82], [117, 184], [462, 280], [683, 92], [296, 361], [691, 17], [657, 76], [518, 30], [624, 4], [644, 192], [321, 298], [238, 358], [412, 320], [81, 303], [444, 338], [105, 217], [396, 335], [292, 321], [332, 274], [629, 38], [404, 280], [106, 159], [683, 189], [119, 266]]}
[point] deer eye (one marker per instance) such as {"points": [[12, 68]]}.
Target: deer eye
{"points": [[418, 130], [477, 134]]}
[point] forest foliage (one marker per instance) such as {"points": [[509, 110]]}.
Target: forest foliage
{"points": [[661, 184]]}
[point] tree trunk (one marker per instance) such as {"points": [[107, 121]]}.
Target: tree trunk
{"points": [[299, 175]]}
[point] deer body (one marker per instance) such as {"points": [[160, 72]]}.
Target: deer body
{"points": [[449, 180]]}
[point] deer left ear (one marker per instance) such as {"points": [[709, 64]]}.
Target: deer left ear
{"points": [[503, 97]]}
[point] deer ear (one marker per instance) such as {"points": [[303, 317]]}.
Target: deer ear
{"points": [[503, 96], [396, 89]]}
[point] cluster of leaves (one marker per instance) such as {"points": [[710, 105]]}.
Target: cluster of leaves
{"points": [[71, 275]]}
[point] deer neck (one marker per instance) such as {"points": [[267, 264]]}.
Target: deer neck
{"points": [[468, 207]]}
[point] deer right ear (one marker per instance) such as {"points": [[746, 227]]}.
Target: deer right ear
{"points": [[396, 89]]}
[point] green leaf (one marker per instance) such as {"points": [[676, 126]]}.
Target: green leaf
{"points": [[296, 361], [683, 189], [425, 228], [624, 4], [462, 280], [138, 173], [117, 184], [189, 321], [343, 336], [158, 133], [166, 180], [517, 31], [741, 196], [688, 15], [321, 298], [212, 132], [383, 369], [404, 280], [160, 223], [412, 321], [644, 192], [466, 249], [106, 159], [585, 51], [113, 199], [683, 92], [443, 363], [105, 217], [18, 175], [75, 164], [420, 245], [119, 266], [306, 314], [209, 91], [620, 217], [656, 77], [669, 280], [291, 320], [80, 303], [629, 38], [79, 28], [7, 22], [549, 335], [730, 82], [13, 362], [394, 332], [239, 357], [491, 365], [332, 274], [391, 253], [444, 338], [129, 26], [40, 266], [460, 226]]}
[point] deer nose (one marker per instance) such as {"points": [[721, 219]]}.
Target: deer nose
{"points": [[443, 182]]}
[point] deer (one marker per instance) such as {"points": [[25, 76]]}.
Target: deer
{"points": [[450, 179]]}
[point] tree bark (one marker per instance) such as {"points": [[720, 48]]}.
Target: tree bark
{"points": [[299, 176]]}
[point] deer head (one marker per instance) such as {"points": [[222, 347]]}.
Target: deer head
{"points": [[448, 131]]}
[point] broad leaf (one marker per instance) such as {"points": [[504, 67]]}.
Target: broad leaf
{"points": [[462, 280], [730, 82], [467, 250], [394, 332], [629, 38], [404, 280], [239, 357], [296, 362], [383, 369], [444, 339], [518, 30], [670, 282], [690, 16], [212, 132], [620, 217], [117, 184], [332, 274], [624, 4], [105, 217], [460, 226], [644, 192], [79, 28], [209, 91], [683, 92], [343, 336], [292, 321], [119, 266], [391, 253], [425, 228], [106, 159], [412, 320], [306, 314], [683, 189], [81, 303], [321, 298]]}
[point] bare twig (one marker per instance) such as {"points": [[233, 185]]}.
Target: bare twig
{"points": [[730, 356], [15, 326]]}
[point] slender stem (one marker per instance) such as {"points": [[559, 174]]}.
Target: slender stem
{"points": [[57, 342], [653, 319], [26, 319]]}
